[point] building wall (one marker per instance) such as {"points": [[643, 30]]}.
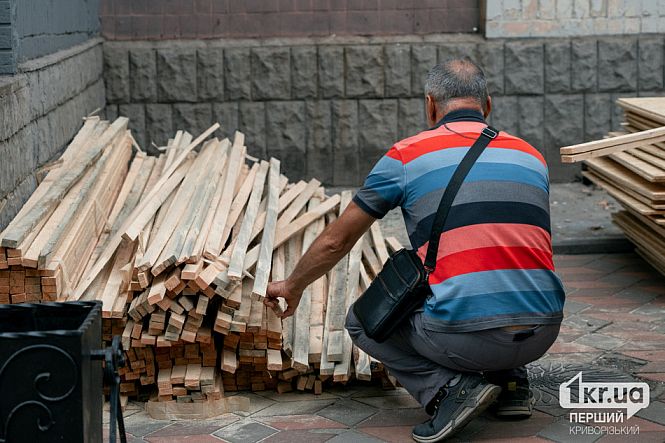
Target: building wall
{"points": [[329, 109], [188, 19], [568, 18], [41, 110], [46, 26]]}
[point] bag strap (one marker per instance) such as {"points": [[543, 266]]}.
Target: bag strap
{"points": [[486, 136]]}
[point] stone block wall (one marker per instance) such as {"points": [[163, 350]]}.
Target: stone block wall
{"points": [[41, 109], [187, 19], [47, 26], [330, 109], [568, 18], [35, 28]]}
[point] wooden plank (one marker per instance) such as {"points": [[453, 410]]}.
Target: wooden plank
{"points": [[301, 321], [640, 167], [119, 279], [188, 208], [207, 225], [633, 140], [336, 313], [621, 196], [294, 228], [114, 242], [267, 239], [144, 213], [205, 196], [239, 203], [274, 360], [157, 291], [379, 242], [298, 204], [394, 244], [215, 243], [624, 177], [17, 232], [251, 211]]}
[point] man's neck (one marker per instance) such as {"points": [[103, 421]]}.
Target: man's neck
{"points": [[458, 105]]}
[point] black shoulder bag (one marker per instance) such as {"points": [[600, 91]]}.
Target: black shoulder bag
{"points": [[403, 284]]}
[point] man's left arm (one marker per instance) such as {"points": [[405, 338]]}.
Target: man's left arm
{"points": [[335, 242]]}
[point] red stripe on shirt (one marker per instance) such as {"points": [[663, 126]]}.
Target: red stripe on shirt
{"points": [[438, 142], [490, 259], [487, 235]]}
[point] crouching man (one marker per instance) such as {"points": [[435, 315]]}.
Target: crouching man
{"points": [[496, 302]]}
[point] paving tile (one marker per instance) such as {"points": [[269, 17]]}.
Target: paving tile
{"points": [[637, 336], [655, 412], [600, 341], [584, 323], [256, 403], [403, 417], [640, 346], [569, 348], [195, 427], [354, 437], [299, 422], [654, 366], [390, 434], [521, 440], [560, 431], [495, 429], [573, 307], [391, 402], [377, 391], [245, 432], [643, 437], [205, 438], [141, 424], [294, 408], [299, 436], [347, 411], [297, 396], [654, 376]]}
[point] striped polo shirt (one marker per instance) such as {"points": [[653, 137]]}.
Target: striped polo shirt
{"points": [[494, 264]]}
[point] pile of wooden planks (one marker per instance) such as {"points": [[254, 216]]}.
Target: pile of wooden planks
{"points": [[180, 249], [630, 166]]}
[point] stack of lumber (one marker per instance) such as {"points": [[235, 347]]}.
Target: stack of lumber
{"points": [[180, 249], [630, 166]]}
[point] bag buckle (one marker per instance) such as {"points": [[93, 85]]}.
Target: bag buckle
{"points": [[428, 271], [490, 132]]}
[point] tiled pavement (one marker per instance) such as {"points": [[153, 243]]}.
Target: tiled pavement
{"points": [[614, 326]]}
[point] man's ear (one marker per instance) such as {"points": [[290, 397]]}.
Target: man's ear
{"points": [[430, 110], [488, 106]]}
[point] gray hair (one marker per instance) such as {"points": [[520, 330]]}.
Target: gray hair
{"points": [[457, 78]]}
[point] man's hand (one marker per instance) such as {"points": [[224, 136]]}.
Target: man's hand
{"points": [[284, 290]]}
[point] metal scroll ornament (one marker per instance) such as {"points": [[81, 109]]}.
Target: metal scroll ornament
{"points": [[32, 380]]}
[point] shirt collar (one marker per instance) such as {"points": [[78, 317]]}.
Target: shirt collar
{"points": [[461, 115]]}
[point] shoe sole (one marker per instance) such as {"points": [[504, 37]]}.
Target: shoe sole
{"points": [[486, 397], [517, 412]]}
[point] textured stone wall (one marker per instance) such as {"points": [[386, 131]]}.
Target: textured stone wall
{"points": [[35, 28], [47, 26], [40, 112], [569, 18], [330, 109], [184, 19]]}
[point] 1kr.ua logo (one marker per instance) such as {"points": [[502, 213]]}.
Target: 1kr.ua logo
{"points": [[577, 394]]}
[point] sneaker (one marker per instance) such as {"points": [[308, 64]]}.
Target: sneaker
{"points": [[516, 401], [456, 404]]}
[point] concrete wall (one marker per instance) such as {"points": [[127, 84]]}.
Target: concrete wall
{"points": [[164, 19], [568, 18], [46, 26], [40, 112], [34, 28], [329, 108]]}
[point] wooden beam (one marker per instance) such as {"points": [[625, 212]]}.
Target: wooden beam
{"points": [[251, 211], [267, 239]]}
